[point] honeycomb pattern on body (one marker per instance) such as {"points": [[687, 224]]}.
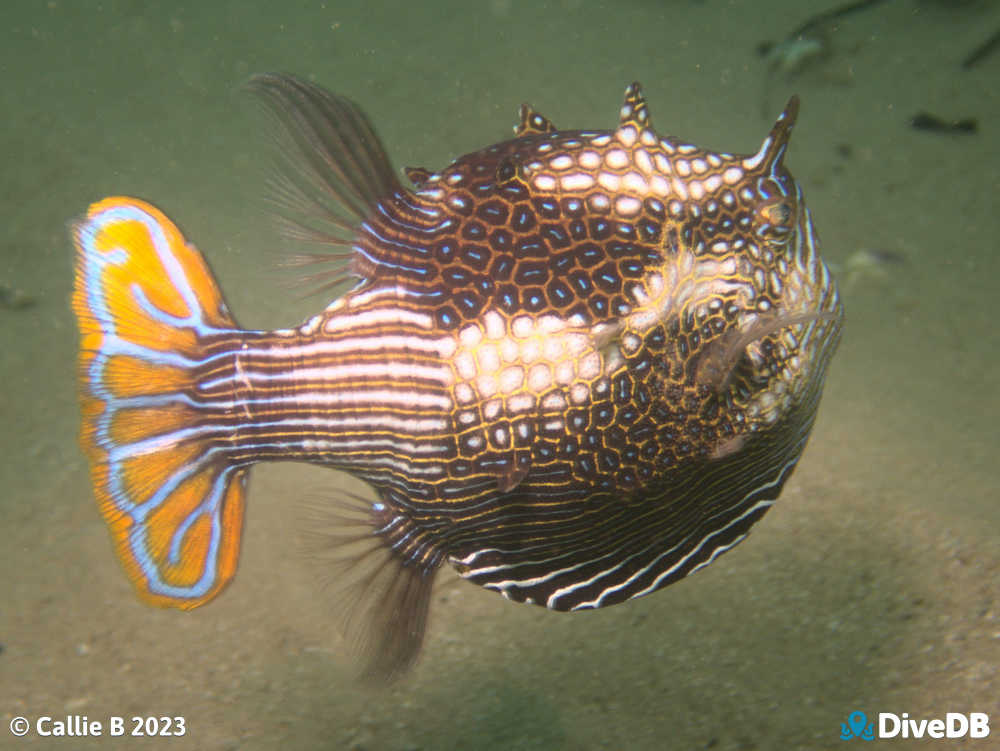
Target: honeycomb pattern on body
{"points": [[576, 226]]}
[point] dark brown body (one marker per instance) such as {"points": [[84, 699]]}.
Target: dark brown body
{"points": [[577, 365]]}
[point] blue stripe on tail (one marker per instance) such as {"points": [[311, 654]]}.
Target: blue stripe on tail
{"points": [[145, 301]]}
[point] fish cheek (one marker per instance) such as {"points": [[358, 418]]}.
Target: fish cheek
{"points": [[714, 365]]}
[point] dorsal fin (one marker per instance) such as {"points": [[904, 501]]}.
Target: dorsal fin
{"points": [[769, 155], [417, 175], [532, 122], [634, 111], [333, 170]]}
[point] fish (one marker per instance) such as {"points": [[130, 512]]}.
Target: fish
{"points": [[576, 365]]}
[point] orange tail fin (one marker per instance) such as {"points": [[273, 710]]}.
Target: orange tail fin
{"points": [[144, 301]]}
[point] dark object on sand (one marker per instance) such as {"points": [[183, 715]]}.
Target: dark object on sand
{"points": [[14, 298], [808, 34], [820, 20], [935, 124], [982, 51]]}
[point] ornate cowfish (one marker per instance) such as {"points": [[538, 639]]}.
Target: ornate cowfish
{"points": [[576, 365]]}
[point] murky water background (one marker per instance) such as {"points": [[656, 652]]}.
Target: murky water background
{"points": [[873, 584]]}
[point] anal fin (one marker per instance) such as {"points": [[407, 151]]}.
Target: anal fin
{"points": [[381, 568]]}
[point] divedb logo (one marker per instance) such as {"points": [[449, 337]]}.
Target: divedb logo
{"points": [[890, 725]]}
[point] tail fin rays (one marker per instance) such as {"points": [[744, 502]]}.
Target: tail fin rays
{"points": [[144, 301]]}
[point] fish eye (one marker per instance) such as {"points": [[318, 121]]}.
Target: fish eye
{"points": [[774, 221], [778, 214]]}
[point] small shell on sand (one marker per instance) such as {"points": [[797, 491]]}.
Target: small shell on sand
{"points": [[868, 264], [869, 258], [792, 55]]}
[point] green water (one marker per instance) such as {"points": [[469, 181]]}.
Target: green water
{"points": [[872, 584]]}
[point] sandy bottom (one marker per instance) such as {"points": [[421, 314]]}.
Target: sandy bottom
{"points": [[873, 584]]}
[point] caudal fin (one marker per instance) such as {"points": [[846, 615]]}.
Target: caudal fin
{"points": [[145, 302]]}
